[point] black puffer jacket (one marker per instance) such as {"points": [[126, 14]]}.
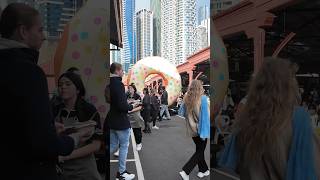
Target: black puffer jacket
{"points": [[155, 105], [164, 98], [29, 140]]}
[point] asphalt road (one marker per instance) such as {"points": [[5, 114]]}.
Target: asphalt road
{"points": [[164, 153]]}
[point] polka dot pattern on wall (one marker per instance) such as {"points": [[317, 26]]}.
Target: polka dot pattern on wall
{"points": [[223, 50], [97, 20], [221, 77], [84, 35], [75, 55], [74, 37], [220, 69], [87, 71], [215, 64]]}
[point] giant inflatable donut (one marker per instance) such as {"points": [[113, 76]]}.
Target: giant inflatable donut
{"points": [[220, 73], [157, 65]]}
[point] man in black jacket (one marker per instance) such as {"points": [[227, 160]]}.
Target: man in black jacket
{"points": [[29, 138], [117, 121], [164, 104]]}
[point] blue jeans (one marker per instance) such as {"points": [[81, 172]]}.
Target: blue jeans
{"points": [[164, 109], [120, 138]]}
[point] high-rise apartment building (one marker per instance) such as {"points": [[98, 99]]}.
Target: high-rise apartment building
{"points": [[155, 7], [168, 29], [144, 24], [178, 18], [202, 38], [206, 23]]}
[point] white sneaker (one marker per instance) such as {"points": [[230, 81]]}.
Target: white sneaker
{"points": [[125, 176], [116, 153], [139, 147], [201, 175], [155, 127], [184, 175]]}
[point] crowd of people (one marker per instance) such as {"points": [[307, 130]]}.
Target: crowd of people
{"points": [[131, 109]]}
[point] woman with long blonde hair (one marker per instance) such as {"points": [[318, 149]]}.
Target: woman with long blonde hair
{"points": [[272, 136], [195, 109]]}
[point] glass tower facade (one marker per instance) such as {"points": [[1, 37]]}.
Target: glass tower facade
{"points": [[56, 14], [129, 36], [155, 7]]}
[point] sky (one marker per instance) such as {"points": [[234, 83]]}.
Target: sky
{"points": [[142, 4], [145, 4]]}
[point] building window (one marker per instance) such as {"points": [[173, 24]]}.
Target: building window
{"points": [[228, 3]]}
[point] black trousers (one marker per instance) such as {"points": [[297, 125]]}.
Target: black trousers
{"points": [[137, 135], [146, 114], [197, 158], [154, 115]]}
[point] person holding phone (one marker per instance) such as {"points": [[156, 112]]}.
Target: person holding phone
{"points": [[80, 164], [135, 118], [117, 124]]}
